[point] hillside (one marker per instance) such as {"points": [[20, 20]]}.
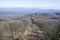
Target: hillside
{"points": [[31, 27], [43, 15]]}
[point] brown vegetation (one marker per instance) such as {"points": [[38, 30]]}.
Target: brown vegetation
{"points": [[30, 28]]}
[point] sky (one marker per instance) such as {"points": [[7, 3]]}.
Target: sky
{"points": [[45, 4]]}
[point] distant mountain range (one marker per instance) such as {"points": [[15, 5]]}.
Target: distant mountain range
{"points": [[25, 11], [28, 10]]}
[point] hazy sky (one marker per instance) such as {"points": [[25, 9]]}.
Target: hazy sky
{"points": [[54, 4]]}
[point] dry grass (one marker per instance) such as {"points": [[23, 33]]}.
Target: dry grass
{"points": [[29, 29]]}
